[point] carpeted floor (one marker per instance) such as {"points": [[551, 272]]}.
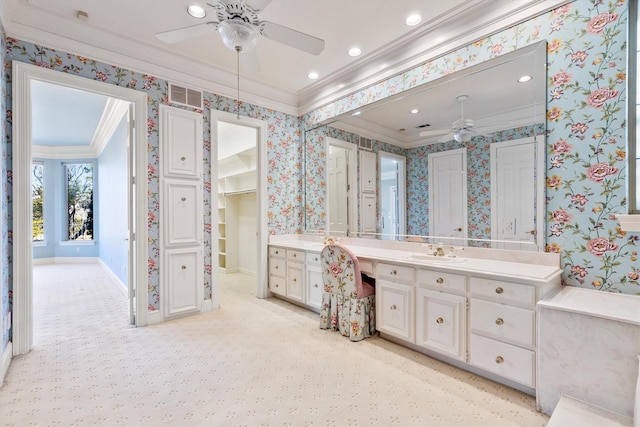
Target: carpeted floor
{"points": [[252, 363]]}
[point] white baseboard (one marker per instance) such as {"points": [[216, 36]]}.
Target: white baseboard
{"points": [[5, 362], [65, 260], [207, 305], [124, 289], [154, 317]]}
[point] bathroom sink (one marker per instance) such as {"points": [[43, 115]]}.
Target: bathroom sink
{"points": [[435, 259]]}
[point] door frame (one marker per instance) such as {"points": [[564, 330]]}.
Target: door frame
{"points": [[262, 290], [23, 74], [353, 228], [539, 165], [401, 188]]}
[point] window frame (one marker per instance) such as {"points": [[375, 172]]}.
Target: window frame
{"points": [[66, 240]]}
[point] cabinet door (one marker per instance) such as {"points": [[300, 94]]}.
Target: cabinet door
{"points": [[394, 309], [295, 281], [314, 287], [441, 323], [277, 285], [368, 180], [182, 219], [181, 142], [182, 280], [368, 213]]}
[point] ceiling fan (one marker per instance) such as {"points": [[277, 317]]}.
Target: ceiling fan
{"points": [[240, 27], [461, 130]]}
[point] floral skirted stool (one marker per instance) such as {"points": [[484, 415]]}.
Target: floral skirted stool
{"points": [[348, 304]]}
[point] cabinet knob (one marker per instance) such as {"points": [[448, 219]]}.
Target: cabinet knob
{"points": [[183, 158], [439, 320], [294, 279], [499, 360], [499, 290], [394, 272], [499, 321], [393, 307], [295, 255], [315, 259], [184, 199], [459, 229], [316, 286], [276, 267], [276, 285], [440, 280], [184, 267]]}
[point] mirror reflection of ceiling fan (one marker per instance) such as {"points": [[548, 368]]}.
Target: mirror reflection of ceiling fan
{"points": [[239, 27], [461, 130]]}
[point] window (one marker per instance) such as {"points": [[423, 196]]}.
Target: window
{"points": [[37, 200], [79, 182]]}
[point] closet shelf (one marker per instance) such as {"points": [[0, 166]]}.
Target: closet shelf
{"points": [[239, 192]]}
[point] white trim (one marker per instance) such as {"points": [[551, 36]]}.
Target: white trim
{"points": [[262, 290], [352, 181], [23, 73], [5, 362], [629, 223], [122, 288], [65, 260]]}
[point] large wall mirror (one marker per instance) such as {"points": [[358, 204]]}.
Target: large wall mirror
{"points": [[474, 149]]}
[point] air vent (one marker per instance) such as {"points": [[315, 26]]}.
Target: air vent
{"points": [[426, 125], [365, 143], [185, 96]]}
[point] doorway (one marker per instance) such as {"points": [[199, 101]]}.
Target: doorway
{"points": [[448, 196], [341, 187], [238, 170], [393, 196], [23, 77]]}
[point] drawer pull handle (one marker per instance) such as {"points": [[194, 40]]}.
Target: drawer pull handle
{"points": [[277, 252], [394, 272], [184, 267], [499, 321], [276, 285], [184, 199], [315, 259], [294, 280], [393, 307], [499, 360], [316, 286], [440, 280], [439, 320], [499, 290], [276, 267], [183, 158]]}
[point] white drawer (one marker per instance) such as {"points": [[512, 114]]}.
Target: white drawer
{"points": [[447, 282], [295, 256], [503, 291], [366, 266], [277, 285], [505, 360], [503, 322], [396, 273], [277, 252], [313, 258], [277, 267]]}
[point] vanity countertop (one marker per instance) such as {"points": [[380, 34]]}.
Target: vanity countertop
{"points": [[508, 270]]}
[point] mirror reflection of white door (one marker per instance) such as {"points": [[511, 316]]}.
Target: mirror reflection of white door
{"points": [[448, 195], [392, 195], [513, 193], [338, 166]]}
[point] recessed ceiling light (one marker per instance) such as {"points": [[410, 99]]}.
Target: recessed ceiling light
{"points": [[196, 11], [413, 20], [524, 79], [313, 75], [354, 51], [415, 111]]}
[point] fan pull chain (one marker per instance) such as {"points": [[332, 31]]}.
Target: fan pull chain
{"points": [[238, 49]]}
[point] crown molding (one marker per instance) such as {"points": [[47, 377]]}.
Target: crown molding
{"points": [[35, 26], [448, 32], [114, 111]]}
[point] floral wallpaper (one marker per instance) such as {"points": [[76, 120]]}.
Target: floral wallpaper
{"points": [[283, 148], [586, 136]]}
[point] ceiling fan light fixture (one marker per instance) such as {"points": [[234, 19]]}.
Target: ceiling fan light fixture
{"points": [[238, 34], [196, 11], [462, 135]]}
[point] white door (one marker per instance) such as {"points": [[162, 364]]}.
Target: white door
{"points": [[338, 190], [448, 194], [513, 193]]}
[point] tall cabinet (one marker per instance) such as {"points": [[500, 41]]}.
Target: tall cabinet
{"points": [[368, 197], [181, 212]]}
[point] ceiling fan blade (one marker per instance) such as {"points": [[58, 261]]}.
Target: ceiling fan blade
{"points": [[447, 137], [181, 34], [258, 5], [249, 61], [435, 132], [291, 37]]}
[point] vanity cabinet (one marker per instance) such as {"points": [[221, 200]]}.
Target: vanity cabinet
{"points": [[368, 163], [278, 270], [503, 324], [313, 282], [287, 273], [295, 275], [395, 300], [441, 315], [368, 188]]}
